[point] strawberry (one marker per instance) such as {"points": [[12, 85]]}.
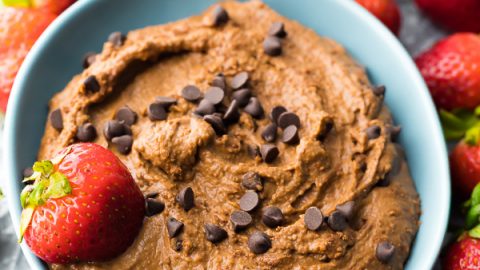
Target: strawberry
{"points": [[451, 69], [386, 11], [83, 206], [20, 29], [457, 15], [52, 6], [465, 167]]}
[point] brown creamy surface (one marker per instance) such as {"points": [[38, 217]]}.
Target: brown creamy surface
{"points": [[314, 78]]}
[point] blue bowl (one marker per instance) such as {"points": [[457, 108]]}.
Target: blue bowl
{"points": [[57, 55]]}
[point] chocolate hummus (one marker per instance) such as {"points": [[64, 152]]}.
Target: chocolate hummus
{"points": [[257, 143]]}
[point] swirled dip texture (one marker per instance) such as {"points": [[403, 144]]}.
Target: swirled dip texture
{"points": [[314, 78]]}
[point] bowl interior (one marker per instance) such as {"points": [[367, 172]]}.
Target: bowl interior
{"points": [[58, 54]]}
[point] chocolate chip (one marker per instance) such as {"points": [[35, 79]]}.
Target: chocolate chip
{"points": [[313, 218], [328, 126], [394, 132], [117, 39], [215, 95], [240, 220], [89, 59], [114, 128], [254, 108], [379, 90], [252, 180], [337, 221], [384, 251], [290, 135], [242, 96], [233, 113], [126, 115], [276, 112], [56, 119], [216, 123], [272, 216], [174, 227], [277, 29], [269, 134], [219, 81], [269, 152], [156, 112], [152, 194], [27, 172], [191, 93], [240, 80], [166, 102], [272, 46], [214, 233], [91, 84], [253, 150], [186, 198], [346, 209], [123, 144], [249, 201], [259, 242], [288, 118], [373, 132], [204, 107], [219, 16], [154, 207], [86, 132]]}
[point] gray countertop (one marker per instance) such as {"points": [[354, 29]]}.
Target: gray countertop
{"points": [[417, 34]]}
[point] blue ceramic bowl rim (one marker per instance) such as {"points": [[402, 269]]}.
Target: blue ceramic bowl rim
{"points": [[389, 39]]}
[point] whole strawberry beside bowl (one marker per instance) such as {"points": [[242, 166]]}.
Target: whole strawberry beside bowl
{"points": [[386, 11], [83, 205], [457, 15]]}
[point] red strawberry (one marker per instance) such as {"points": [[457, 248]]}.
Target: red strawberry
{"points": [[451, 69], [465, 167], [52, 6], [20, 29], [83, 206], [458, 15], [386, 11], [463, 254]]}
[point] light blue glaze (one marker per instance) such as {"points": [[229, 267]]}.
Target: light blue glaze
{"points": [[57, 56]]}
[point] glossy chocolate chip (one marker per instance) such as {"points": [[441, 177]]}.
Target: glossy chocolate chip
{"points": [[254, 108], [114, 128], [205, 107], [232, 114], [252, 180], [346, 209], [214, 233], [89, 59], [186, 198], [219, 81], [240, 80], [272, 46], [259, 242], [379, 90], [394, 132], [337, 221], [384, 251], [56, 119], [272, 216], [219, 16], [277, 29], [217, 124], [269, 152], [276, 112], [154, 207], [174, 227], [240, 220], [123, 144], [191, 93], [156, 112], [249, 201], [152, 194], [166, 102], [117, 39], [126, 115], [215, 95], [91, 84], [290, 135], [313, 218], [288, 118], [373, 132], [269, 134], [242, 96], [86, 132], [27, 172]]}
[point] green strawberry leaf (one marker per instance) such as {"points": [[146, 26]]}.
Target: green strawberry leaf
{"points": [[473, 215], [25, 219], [25, 194], [456, 123], [475, 199], [17, 3], [59, 186], [44, 167], [475, 232]]}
